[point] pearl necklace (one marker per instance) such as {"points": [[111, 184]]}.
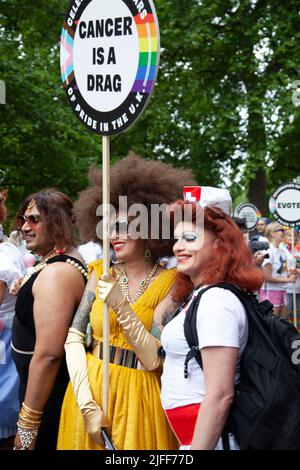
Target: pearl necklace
{"points": [[43, 264], [38, 267], [124, 283], [82, 270]]}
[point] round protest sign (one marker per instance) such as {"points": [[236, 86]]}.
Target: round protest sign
{"points": [[284, 204], [249, 213], [109, 58]]}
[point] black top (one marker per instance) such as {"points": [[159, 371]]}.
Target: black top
{"points": [[23, 339], [23, 330]]}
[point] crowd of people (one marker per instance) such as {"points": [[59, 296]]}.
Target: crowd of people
{"points": [[51, 313]]}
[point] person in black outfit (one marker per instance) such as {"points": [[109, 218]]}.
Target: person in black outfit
{"points": [[46, 303]]}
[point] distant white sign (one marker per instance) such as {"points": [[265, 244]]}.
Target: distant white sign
{"points": [[249, 213], [284, 204]]}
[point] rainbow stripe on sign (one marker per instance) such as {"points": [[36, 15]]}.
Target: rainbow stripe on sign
{"points": [[148, 42], [66, 54]]}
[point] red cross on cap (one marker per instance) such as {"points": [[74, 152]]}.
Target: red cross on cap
{"points": [[207, 196]]}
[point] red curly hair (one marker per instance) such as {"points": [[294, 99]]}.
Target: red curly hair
{"points": [[232, 261]]}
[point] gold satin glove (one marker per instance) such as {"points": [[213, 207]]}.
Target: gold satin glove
{"points": [[109, 291], [77, 367], [93, 420], [145, 345]]}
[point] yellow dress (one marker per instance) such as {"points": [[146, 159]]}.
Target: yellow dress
{"points": [[135, 413]]}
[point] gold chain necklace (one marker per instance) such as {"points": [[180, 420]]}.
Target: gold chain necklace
{"points": [[124, 283]]}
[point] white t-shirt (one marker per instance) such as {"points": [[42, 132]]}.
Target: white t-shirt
{"points": [[221, 321], [289, 256], [278, 259], [90, 251], [11, 267]]}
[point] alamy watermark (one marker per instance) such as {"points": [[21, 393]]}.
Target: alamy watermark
{"points": [[296, 353], [154, 222]]}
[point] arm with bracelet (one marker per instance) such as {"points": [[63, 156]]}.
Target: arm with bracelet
{"points": [[51, 320], [77, 366]]}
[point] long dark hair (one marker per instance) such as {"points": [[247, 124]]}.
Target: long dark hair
{"points": [[57, 209]]}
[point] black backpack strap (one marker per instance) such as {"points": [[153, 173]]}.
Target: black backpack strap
{"points": [[190, 332], [254, 314], [190, 323], [193, 352]]}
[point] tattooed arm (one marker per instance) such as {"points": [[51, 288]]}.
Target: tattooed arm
{"points": [[163, 314], [77, 365], [169, 312], [82, 315]]}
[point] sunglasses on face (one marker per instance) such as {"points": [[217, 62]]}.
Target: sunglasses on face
{"points": [[188, 237], [31, 219]]}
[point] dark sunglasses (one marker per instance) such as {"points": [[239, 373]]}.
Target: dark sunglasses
{"points": [[31, 219], [279, 230], [188, 237]]}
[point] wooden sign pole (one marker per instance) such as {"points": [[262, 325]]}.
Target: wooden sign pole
{"points": [[106, 263]]}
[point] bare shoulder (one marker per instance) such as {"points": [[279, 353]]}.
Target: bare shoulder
{"points": [[62, 268], [59, 273]]}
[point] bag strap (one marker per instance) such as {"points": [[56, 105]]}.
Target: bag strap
{"points": [[190, 332], [254, 315], [191, 335], [190, 323]]}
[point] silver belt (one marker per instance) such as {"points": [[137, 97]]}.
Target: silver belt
{"points": [[19, 351]]}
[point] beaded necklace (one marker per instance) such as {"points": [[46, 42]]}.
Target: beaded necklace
{"points": [[124, 283], [78, 267], [43, 264]]}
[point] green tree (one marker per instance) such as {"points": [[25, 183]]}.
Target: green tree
{"points": [[222, 105], [223, 102], [228, 79], [42, 142]]}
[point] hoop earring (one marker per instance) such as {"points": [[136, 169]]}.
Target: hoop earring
{"points": [[147, 255]]}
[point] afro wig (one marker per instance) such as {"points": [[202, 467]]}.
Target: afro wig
{"points": [[142, 181]]}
